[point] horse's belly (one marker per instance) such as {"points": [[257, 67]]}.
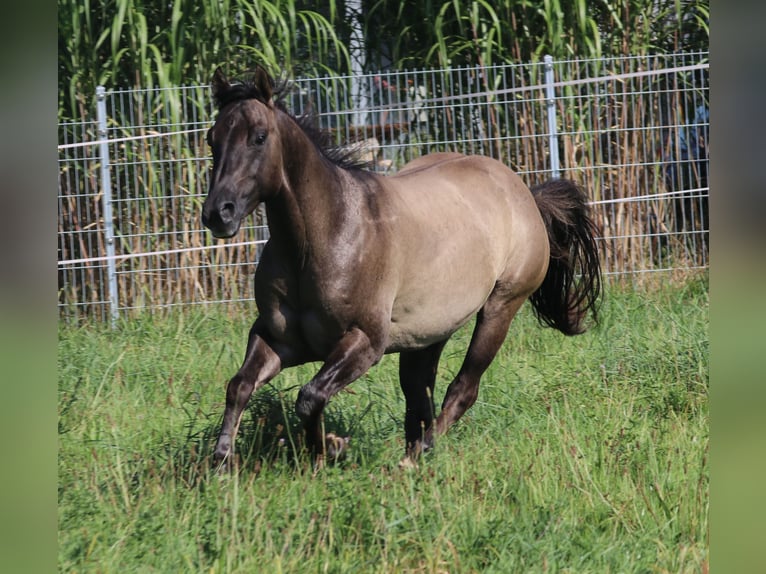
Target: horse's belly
{"points": [[433, 316]]}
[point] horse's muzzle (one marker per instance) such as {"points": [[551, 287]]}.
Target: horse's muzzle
{"points": [[221, 218]]}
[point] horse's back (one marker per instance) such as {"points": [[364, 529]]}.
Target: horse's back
{"points": [[428, 161], [477, 180], [475, 200]]}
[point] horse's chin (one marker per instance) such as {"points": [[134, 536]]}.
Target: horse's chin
{"points": [[226, 231]]}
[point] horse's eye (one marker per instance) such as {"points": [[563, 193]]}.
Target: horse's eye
{"points": [[260, 138]]}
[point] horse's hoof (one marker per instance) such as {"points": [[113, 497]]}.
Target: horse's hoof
{"points": [[336, 447], [223, 463], [408, 463]]}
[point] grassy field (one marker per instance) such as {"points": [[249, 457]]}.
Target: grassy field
{"points": [[584, 454]]}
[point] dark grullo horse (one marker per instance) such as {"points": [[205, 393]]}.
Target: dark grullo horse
{"points": [[359, 264]]}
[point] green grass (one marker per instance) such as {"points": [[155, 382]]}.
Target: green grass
{"points": [[584, 454]]}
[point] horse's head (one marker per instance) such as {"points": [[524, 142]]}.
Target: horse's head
{"points": [[247, 155]]}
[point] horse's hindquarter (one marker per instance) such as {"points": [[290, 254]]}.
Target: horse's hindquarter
{"points": [[464, 225]]}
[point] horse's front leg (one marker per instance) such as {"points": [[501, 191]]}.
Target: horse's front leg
{"points": [[262, 363], [351, 357]]}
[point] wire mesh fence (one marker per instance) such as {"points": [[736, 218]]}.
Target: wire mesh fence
{"points": [[632, 131]]}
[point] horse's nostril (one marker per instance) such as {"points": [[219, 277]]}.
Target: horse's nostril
{"points": [[227, 210]]}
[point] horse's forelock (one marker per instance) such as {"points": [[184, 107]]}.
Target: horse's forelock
{"points": [[248, 90], [237, 92]]}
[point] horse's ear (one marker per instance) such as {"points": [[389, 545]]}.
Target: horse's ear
{"points": [[219, 83], [263, 82]]}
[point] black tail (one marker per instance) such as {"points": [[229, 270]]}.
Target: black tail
{"points": [[572, 286]]}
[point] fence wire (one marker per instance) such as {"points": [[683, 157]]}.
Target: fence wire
{"points": [[632, 131]]}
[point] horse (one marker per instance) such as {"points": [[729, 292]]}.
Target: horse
{"points": [[360, 264]]}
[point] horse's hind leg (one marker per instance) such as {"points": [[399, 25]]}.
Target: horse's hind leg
{"points": [[491, 328], [417, 375], [261, 364]]}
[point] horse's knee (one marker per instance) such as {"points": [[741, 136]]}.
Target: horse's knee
{"points": [[239, 390], [309, 403]]}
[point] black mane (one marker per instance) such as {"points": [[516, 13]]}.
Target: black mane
{"points": [[342, 156]]}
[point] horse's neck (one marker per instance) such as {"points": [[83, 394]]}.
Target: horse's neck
{"points": [[301, 216]]}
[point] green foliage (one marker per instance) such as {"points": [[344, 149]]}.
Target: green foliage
{"points": [[584, 454], [145, 43], [149, 43], [410, 33]]}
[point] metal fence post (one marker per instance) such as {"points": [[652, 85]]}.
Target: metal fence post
{"points": [[357, 50], [106, 188], [550, 100]]}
